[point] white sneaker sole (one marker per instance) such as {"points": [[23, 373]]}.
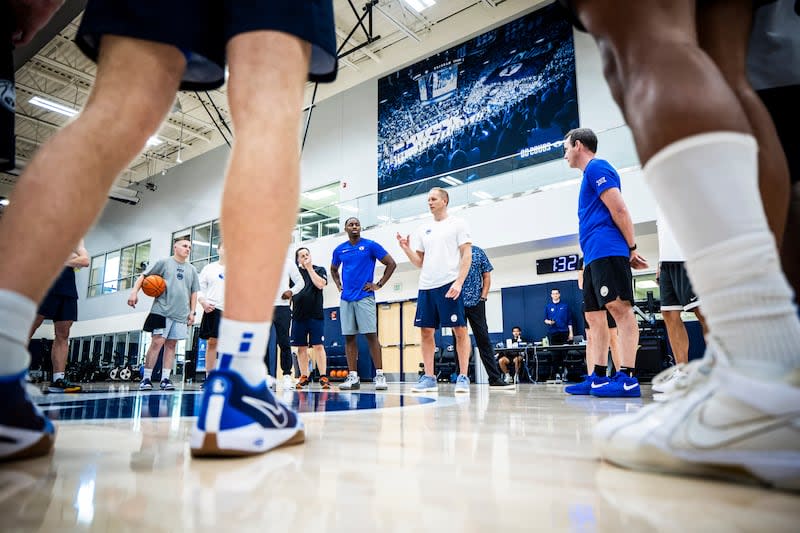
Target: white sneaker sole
{"points": [[247, 440], [462, 391], [425, 389], [381, 387]]}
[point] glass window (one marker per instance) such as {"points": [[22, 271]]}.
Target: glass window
{"points": [[118, 269], [205, 239], [134, 346]]}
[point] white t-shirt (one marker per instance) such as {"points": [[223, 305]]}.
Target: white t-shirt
{"points": [[668, 249], [212, 284], [439, 241], [290, 272]]}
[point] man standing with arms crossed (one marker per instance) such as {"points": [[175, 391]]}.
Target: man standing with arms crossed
{"points": [[444, 253], [607, 239], [357, 310], [172, 312]]}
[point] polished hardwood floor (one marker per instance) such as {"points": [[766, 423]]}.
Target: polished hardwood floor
{"points": [[386, 462]]}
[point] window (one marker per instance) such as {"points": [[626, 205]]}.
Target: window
{"points": [[205, 242], [118, 269]]}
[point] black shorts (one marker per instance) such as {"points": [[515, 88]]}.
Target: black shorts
{"points": [[676, 289], [202, 28], [605, 280], [209, 325], [7, 90], [779, 102], [59, 308], [154, 321]]}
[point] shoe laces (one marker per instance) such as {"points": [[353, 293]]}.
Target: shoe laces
{"points": [[691, 375], [351, 379]]}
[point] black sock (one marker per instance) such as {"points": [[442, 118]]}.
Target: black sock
{"points": [[628, 371], [601, 370]]}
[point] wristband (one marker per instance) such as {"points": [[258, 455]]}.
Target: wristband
{"points": [[632, 248]]}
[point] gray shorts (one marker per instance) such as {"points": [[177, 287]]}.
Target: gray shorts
{"points": [[174, 330], [360, 316]]}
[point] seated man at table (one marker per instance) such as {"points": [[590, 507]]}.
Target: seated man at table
{"points": [[504, 360]]}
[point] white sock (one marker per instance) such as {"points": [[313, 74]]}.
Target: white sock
{"points": [[17, 313], [241, 347], [354, 373], [707, 188], [379, 372], [148, 373], [58, 375], [165, 373]]}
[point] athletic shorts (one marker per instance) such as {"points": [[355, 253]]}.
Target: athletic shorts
{"points": [[209, 325], [360, 316], [676, 289], [59, 308], [780, 101], [605, 280], [309, 332], [202, 28], [171, 330], [436, 311]]}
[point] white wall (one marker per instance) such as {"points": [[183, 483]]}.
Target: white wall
{"points": [[342, 146]]}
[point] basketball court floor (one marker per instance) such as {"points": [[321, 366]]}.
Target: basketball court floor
{"points": [[389, 461]]}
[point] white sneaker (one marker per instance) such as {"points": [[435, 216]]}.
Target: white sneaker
{"points": [[718, 423], [508, 379], [380, 382], [352, 382], [666, 381], [288, 382]]}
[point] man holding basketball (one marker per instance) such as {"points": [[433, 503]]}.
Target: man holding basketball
{"points": [[172, 311]]}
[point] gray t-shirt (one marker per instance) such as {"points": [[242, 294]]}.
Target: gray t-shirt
{"points": [[182, 281]]}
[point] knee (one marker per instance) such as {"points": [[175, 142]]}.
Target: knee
{"points": [[157, 341], [62, 332], [212, 343]]}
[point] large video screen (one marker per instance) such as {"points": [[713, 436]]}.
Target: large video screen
{"points": [[508, 92]]}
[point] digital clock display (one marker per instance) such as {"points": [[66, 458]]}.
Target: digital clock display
{"points": [[562, 263]]}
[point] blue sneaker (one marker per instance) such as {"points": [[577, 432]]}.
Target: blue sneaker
{"points": [[25, 431], [426, 384], [237, 419], [585, 387], [462, 384], [620, 386]]}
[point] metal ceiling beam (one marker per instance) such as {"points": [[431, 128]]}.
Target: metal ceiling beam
{"points": [[399, 25]]}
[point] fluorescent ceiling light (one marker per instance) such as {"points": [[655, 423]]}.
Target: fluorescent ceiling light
{"points": [[646, 284], [450, 180], [483, 195], [332, 225], [153, 141], [348, 208], [420, 5], [319, 195], [53, 106]]}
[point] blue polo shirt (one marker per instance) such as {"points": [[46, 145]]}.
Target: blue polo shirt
{"points": [[560, 314], [599, 235], [473, 284], [358, 266]]}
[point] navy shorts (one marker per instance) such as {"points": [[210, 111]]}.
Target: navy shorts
{"points": [[59, 308], [436, 311], [202, 28], [605, 280], [309, 332]]}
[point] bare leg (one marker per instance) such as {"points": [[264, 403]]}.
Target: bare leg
{"points": [[503, 362], [375, 350], [302, 360], [597, 348], [351, 351], [76, 168], [151, 357], [628, 331], [724, 28], [589, 361], [678, 338], [211, 355], [463, 347], [36, 324], [169, 355], [268, 71], [428, 347], [321, 358], [61, 345], [613, 344]]}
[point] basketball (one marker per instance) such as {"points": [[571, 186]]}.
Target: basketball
{"points": [[154, 285]]}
